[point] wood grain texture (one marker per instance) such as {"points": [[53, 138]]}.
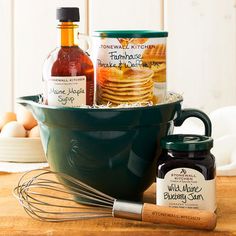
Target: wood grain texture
{"points": [[14, 221], [189, 218]]}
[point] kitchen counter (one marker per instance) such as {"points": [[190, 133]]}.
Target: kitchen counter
{"points": [[14, 220]]}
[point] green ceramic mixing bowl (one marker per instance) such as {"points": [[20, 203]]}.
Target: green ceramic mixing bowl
{"points": [[114, 149]]}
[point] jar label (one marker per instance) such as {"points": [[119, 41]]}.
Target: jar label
{"points": [[186, 188], [159, 91], [128, 70], [66, 91]]}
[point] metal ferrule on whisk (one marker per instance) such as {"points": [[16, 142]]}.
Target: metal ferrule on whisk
{"points": [[127, 210]]}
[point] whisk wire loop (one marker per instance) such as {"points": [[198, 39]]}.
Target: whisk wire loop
{"points": [[74, 199]]}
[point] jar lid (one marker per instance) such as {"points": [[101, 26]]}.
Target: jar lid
{"points": [[130, 34], [187, 142]]}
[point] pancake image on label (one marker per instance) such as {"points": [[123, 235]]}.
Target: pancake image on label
{"points": [[126, 93], [138, 40], [126, 85], [155, 54], [129, 86], [159, 67], [155, 59], [105, 72], [126, 98], [131, 75], [159, 72], [126, 101]]}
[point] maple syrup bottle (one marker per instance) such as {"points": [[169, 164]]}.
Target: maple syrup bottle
{"points": [[68, 72]]}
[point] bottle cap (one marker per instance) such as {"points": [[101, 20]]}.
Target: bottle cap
{"points": [[68, 14], [187, 142]]}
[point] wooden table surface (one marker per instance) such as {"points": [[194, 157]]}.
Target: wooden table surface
{"points": [[14, 220]]}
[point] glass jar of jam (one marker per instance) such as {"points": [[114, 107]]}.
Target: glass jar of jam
{"points": [[186, 173]]}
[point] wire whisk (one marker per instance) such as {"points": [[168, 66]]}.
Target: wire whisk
{"points": [[54, 196], [45, 198]]}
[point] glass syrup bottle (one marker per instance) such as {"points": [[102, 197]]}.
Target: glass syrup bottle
{"points": [[68, 72]]}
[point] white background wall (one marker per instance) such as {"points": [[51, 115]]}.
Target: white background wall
{"points": [[201, 43], [125, 14], [202, 51], [6, 51]]}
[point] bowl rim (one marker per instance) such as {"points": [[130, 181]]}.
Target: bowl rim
{"points": [[28, 100]]}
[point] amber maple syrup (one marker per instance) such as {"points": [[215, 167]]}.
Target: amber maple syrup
{"points": [[68, 71]]}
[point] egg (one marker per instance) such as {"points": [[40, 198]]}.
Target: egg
{"points": [[7, 117], [13, 129], [25, 117], [34, 133]]}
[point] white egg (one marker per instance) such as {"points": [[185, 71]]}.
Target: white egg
{"points": [[13, 129], [223, 121], [223, 149]]}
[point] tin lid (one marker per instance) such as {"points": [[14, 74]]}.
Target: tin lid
{"points": [[130, 34], [187, 142]]}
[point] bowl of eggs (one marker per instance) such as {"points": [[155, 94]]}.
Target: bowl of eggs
{"points": [[19, 137]]}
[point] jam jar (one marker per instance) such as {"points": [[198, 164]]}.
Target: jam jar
{"points": [[186, 173]]}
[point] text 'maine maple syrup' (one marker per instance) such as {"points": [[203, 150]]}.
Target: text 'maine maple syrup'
{"points": [[68, 72]]}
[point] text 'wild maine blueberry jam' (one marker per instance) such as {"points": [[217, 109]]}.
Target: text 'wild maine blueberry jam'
{"points": [[186, 173]]}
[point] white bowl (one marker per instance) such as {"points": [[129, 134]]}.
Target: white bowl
{"points": [[21, 150]]}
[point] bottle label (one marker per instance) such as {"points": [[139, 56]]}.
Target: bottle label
{"points": [[186, 188], [66, 91]]}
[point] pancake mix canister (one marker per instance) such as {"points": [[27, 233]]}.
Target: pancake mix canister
{"points": [[130, 66]]}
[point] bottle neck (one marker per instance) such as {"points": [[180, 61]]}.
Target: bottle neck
{"points": [[67, 34]]}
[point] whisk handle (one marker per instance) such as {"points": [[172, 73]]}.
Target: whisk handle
{"points": [[191, 218]]}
